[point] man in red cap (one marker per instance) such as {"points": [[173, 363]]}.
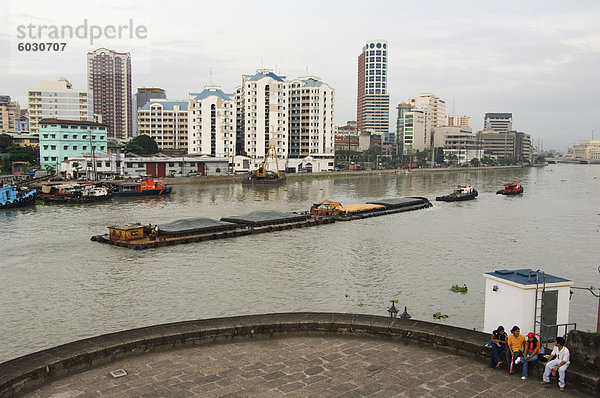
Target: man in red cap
{"points": [[532, 349]]}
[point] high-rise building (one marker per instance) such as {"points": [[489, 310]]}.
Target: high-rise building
{"points": [[311, 108], [141, 98], [410, 129], [500, 122], [56, 99], [435, 114], [373, 100], [588, 149], [457, 121], [147, 94], [166, 122], [9, 114], [506, 145], [264, 96], [211, 120], [109, 80]]}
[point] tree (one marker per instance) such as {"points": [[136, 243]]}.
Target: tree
{"points": [[475, 162], [540, 159], [143, 144], [5, 141]]}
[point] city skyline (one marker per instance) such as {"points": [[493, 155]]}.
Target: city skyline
{"points": [[532, 62]]}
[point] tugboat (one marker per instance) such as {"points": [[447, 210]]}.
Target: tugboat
{"points": [[11, 197], [262, 175], [143, 188], [511, 188], [462, 192]]}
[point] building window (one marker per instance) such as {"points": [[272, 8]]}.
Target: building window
{"points": [[53, 147], [66, 147], [74, 147]]}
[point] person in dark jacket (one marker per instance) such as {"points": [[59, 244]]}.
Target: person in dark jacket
{"points": [[498, 344]]}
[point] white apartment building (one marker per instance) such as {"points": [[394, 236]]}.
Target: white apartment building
{"points": [[212, 122], [56, 99], [311, 125], [166, 122], [457, 120], [435, 113], [265, 112]]}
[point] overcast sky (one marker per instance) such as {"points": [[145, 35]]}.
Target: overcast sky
{"points": [[539, 60]]}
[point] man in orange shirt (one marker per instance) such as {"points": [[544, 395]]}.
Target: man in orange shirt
{"points": [[516, 346]]}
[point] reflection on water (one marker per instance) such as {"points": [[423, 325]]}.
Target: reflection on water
{"points": [[56, 285]]}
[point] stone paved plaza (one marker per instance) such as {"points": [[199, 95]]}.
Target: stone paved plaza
{"points": [[301, 367]]}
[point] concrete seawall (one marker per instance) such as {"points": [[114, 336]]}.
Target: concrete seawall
{"points": [[32, 371]]}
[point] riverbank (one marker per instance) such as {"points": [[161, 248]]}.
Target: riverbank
{"points": [[228, 179]]}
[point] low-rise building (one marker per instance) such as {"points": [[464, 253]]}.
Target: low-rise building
{"points": [[25, 139], [589, 149], [61, 139], [129, 165]]}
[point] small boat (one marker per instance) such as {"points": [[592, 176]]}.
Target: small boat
{"points": [[143, 188], [264, 176], [11, 197], [512, 188], [462, 192]]}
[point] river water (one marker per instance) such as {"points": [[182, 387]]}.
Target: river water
{"points": [[57, 286]]}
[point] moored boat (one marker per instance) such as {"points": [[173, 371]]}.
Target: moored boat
{"points": [[142, 188], [10, 197], [462, 192], [73, 193], [511, 188]]}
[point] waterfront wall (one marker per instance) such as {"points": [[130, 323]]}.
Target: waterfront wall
{"points": [[31, 371]]}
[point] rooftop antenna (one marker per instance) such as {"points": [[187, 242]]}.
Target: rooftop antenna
{"points": [[210, 76], [453, 106], [592, 134], [262, 66]]}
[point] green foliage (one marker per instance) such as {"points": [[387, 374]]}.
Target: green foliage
{"points": [[5, 142], [475, 162], [218, 170], [458, 289], [540, 159], [439, 315], [143, 144]]}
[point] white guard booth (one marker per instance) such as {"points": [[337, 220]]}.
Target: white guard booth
{"points": [[510, 299]]}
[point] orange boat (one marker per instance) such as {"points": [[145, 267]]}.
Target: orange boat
{"points": [[512, 188], [145, 187]]}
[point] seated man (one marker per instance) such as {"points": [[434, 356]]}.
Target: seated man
{"points": [[532, 349], [558, 361]]}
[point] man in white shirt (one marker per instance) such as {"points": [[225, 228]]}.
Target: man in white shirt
{"points": [[558, 361]]}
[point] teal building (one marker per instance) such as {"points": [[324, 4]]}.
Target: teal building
{"points": [[62, 139]]}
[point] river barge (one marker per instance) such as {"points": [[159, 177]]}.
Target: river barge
{"points": [[138, 236], [370, 209]]}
